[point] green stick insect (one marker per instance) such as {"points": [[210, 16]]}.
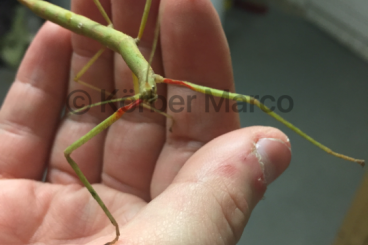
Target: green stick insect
{"points": [[144, 78]]}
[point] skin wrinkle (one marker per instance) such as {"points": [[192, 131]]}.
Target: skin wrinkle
{"points": [[5, 225], [15, 129], [11, 158], [32, 84], [43, 92], [143, 120], [219, 229], [237, 207], [88, 54], [123, 186], [71, 175], [125, 217], [220, 237], [226, 218], [22, 127], [224, 209], [86, 119], [185, 144], [4, 176], [76, 188], [46, 209]]}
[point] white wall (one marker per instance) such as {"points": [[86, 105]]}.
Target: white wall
{"points": [[347, 20]]}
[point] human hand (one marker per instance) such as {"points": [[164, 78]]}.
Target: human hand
{"points": [[163, 188]]}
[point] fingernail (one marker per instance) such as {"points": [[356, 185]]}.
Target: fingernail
{"points": [[274, 156]]}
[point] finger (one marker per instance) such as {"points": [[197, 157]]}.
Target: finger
{"points": [[134, 142], [31, 111], [194, 49], [100, 74], [215, 191]]}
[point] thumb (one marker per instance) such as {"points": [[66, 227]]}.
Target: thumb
{"points": [[232, 173], [210, 200]]}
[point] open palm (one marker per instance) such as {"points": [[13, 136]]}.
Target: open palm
{"points": [[191, 186]]}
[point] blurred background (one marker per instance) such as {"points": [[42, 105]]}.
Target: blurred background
{"points": [[315, 52]]}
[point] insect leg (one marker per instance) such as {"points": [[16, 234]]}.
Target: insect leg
{"points": [[96, 130], [103, 12], [251, 100], [144, 20]]}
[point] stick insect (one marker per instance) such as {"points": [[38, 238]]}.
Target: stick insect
{"points": [[145, 80]]}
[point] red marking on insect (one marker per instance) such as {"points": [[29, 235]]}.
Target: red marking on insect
{"points": [[176, 82], [123, 109]]}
